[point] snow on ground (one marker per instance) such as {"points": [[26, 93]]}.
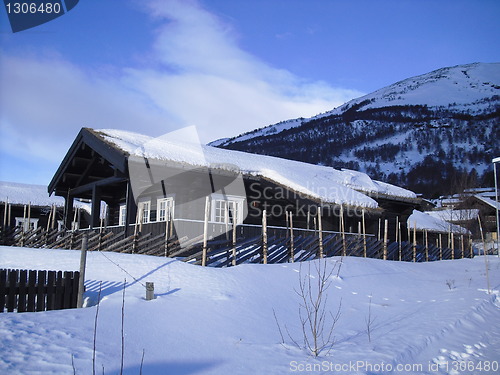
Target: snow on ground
{"points": [[430, 318]]}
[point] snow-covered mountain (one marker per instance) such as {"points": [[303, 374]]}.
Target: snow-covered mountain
{"points": [[445, 121]]}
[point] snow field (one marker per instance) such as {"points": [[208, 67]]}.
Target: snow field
{"points": [[426, 317]]}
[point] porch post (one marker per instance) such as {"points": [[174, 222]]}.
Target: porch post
{"points": [[131, 209], [68, 211], [96, 207]]}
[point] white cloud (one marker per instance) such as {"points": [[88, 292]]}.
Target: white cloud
{"points": [[197, 76]]}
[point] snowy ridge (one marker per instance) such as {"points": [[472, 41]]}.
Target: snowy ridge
{"points": [[461, 88], [324, 183]]}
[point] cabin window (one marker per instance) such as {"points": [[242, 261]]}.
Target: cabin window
{"points": [[33, 223], [145, 211], [227, 209], [122, 219], [165, 209]]}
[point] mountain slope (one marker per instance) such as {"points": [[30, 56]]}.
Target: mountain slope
{"points": [[444, 121]]}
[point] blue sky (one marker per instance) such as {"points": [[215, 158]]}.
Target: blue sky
{"points": [[225, 66]]}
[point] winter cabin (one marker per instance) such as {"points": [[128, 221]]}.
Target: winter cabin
{"points": [[155, 180]]}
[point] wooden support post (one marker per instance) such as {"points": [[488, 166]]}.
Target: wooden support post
{"points": [[292, 245], [135, 240], [24, 219], [308, 217], [386, 225], [205, 232], [264, 237], [415, 241], [226, 219], [10, 212], [397, 226], [167, 234], [53, 224], [364, 232], [452, 245], [471, 251], [342, 223], [83, 262], [29, 217], [73, 224], [320, 233], [426, 246], [23, 227], [399, 243], [379, 229], [440, 247], [234, 242], [462, 246], [5, 214]]}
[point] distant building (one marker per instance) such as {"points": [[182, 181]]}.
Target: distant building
{"points": [[31, 206]]}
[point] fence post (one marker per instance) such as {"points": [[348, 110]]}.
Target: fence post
{"points": [[205, 232], [342, 223], [320, 233], [426, 246], [364, 233], [83, 261], [234, 243], [400, 242], [264, 237], [452, 245], [415, 241], [292, 250], [386, 222]]}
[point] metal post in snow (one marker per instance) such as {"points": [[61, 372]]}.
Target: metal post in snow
{"points": [[495, 161], [150, 291]]}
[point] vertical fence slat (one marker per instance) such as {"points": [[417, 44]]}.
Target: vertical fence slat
{"points": [[22, 291], [67, 289], [75, 280], [40, 291], [58, 301], [3, 287], [51, 280], [11, 297], [31, 290]]}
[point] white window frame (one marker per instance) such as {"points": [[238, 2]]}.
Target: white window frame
{"points": [[122, 215], [21, 221], [218, 204], [169, 208], [144, 209]]}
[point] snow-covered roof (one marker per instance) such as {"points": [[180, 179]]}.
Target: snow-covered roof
{"points": [[320, 182], [425, 221], [455, 215], [36, 195], [488, 201]]}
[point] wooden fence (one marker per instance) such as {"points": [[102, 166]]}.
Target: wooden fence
{"points": [[29, 291], [246, 244]]}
